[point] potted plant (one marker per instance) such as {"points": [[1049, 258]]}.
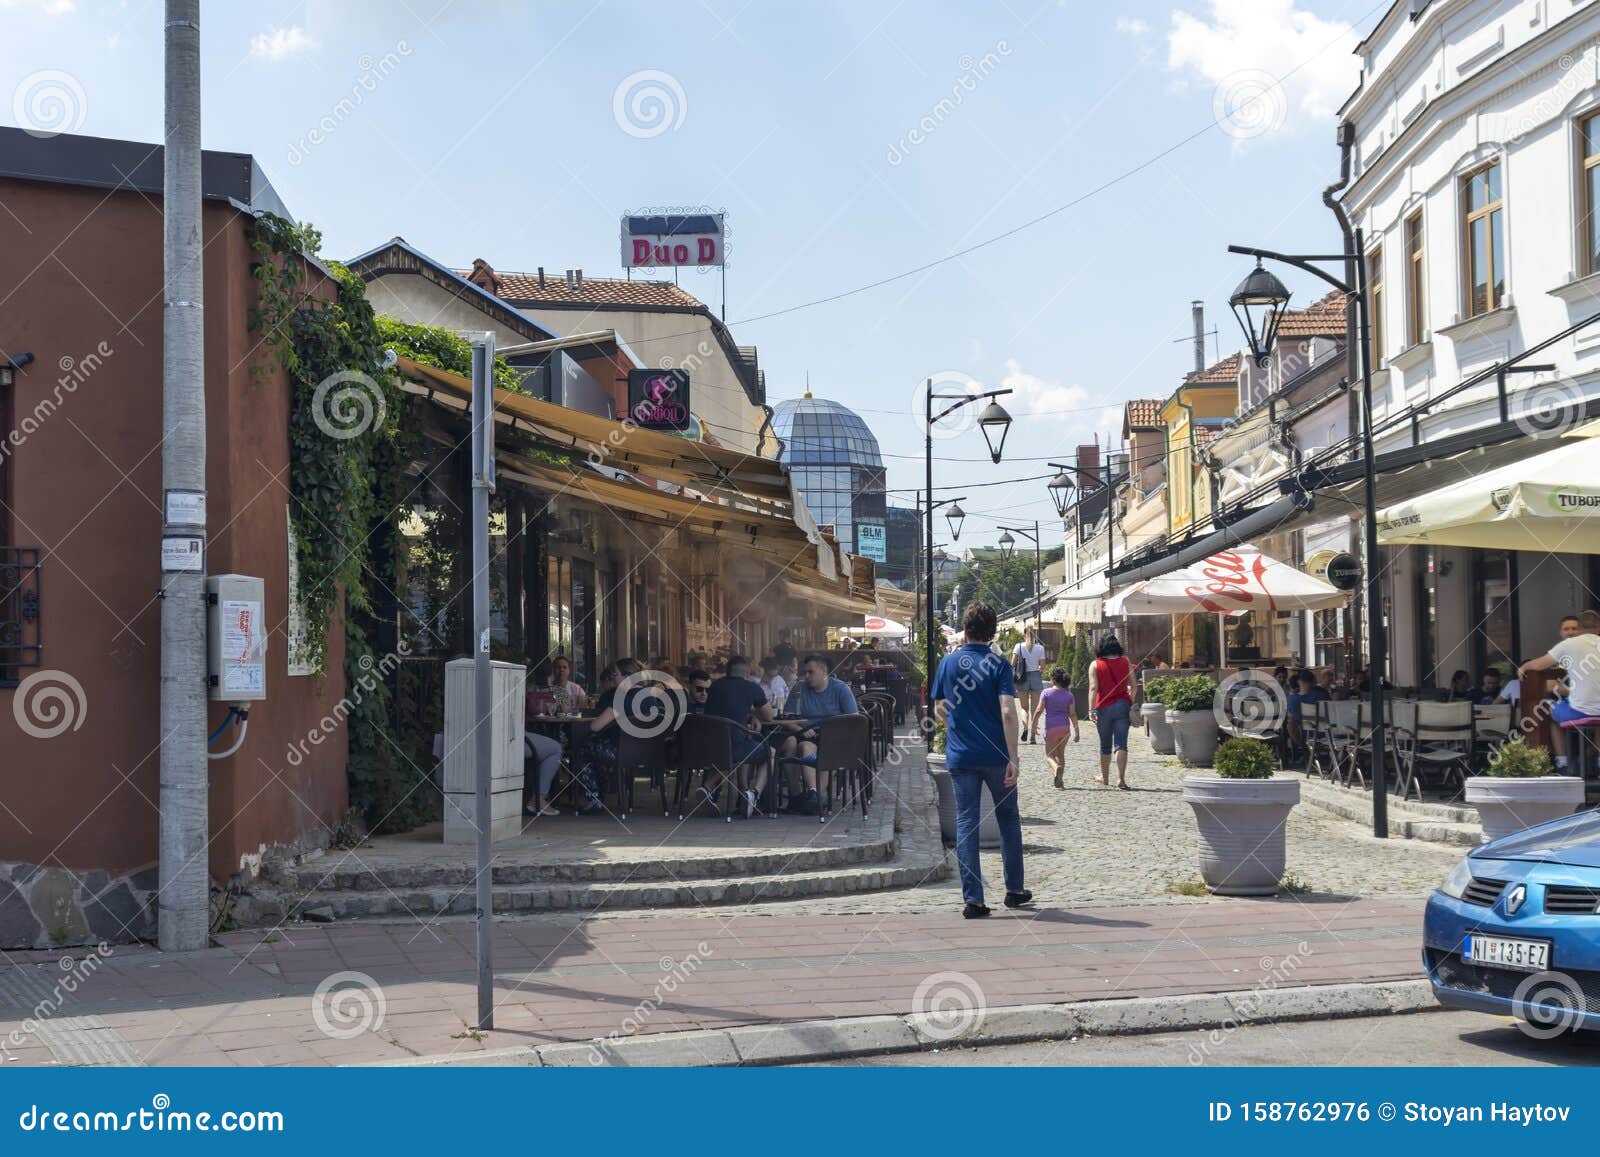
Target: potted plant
{"points": [[1520, 792], [1241, 812], [1191, 714], [936, 738], [1154, 713]]}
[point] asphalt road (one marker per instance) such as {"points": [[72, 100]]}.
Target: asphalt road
{"points": [[1428, 1038]]}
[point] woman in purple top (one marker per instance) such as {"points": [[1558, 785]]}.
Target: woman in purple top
{"points": [[1059, 708]]}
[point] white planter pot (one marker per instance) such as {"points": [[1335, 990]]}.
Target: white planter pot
{"points": [[935, 759], [1240, 825], [1507, 805], [1155, 722], [947, 800], [1194, 736]]}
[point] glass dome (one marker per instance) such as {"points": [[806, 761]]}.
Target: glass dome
{"points": [[837, 467]]}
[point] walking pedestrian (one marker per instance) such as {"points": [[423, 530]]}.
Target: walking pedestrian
{"points": [[1027, 669], [974, 695], [1060, 711], [1110, 706]]}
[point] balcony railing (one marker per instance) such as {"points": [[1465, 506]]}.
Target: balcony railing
{"points": [[20, 644]]}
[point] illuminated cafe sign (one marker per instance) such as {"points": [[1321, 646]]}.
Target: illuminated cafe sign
{"points": [[672, 240], [659, 399]]}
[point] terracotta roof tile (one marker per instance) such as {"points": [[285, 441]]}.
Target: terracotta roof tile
{"points": [[523, 289], [1224, 372], [1142, 413], [1322, 318]]}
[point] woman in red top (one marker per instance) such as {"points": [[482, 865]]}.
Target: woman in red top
{"points": [[1111, 706]]}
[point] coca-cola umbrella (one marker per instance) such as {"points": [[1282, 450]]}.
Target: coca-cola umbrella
{"points": [[1229, 582], [878, 627]]}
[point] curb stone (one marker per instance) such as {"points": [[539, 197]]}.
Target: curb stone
{"points": [[800, 1042]]}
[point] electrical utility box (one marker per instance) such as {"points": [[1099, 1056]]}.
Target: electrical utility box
{"points": [[236, 638]]}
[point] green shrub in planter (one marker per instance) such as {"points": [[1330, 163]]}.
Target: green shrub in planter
{"points": [[936, 739], [1519, 761], [1191, 693], [1154, 688], [1243, 758]]}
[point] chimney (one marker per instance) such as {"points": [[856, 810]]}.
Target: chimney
{"points": [[1089, 466], [1198, 309], [541, 277], [569, 281], [580, 280]]}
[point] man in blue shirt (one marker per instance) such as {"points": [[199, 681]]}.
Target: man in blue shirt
{"points": [[741, 701], [816, 695], [975, 697], [1307, 691]]}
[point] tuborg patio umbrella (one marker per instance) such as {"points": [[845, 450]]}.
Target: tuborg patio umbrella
{"points": [[1550, 502]]}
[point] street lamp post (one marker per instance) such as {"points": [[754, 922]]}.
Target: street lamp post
{"points": [[995, 424], [1060, 487], [1008, 547], [1260, 301]]}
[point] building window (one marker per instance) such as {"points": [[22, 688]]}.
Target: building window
{"points": [[1589, 161], [1375, 297], [1416, 282], [1484, 239]]}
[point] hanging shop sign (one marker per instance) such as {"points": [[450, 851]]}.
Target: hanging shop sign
{"points": [[1344, 571], [659, 399], [673, 240]]}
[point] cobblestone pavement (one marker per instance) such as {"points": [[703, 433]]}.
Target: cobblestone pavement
{"points": [[1089, 844]]}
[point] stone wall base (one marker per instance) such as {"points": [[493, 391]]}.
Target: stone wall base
{"points": [[55, 908]]}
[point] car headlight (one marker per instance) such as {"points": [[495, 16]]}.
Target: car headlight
{"points": [[1458, 879]]}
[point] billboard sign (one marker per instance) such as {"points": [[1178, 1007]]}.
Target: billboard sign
{"points": [[872, 541], [673, 240], [659, 399]]}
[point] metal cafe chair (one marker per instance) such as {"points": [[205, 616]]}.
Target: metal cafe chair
{"points": [[640, 756], [1344, 720], [1436, 749], [1317, 732], [843, 755], [705, 745], [1493, 724]]}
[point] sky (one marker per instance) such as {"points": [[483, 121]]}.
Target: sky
{"points": [[1063, 176]]}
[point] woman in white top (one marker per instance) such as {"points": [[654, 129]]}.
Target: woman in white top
{"points": [[1027, 661], [561, 680]]}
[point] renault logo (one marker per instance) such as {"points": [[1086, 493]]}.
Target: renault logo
{"points": [[1514, 899]]}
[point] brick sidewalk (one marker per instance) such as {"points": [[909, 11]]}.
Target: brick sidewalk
{"points": [[253, 1000]]}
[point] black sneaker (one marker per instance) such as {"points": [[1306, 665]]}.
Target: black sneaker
{"points": [[975, 911], [810, 805], [1018, 899]]}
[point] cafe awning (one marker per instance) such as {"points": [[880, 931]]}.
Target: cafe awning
{"points": [[1550, 502]]}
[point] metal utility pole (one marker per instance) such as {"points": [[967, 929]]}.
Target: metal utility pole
{"points": [[483, 669], [184, 903]]}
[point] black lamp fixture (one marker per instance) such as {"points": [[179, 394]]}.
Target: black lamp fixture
{"points": [[995, 424], [1061, 488], [1259, 304], [955, 516], [1008, 547]]}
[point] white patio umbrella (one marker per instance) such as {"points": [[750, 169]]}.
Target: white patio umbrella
{"points": [[1550, 502], [878, 627], [1229, 582]]}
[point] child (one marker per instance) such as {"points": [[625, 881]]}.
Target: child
{"points": [[1059, 709]]}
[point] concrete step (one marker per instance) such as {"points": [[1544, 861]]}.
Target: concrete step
{"points": [[268, 908], [1453, 824]]}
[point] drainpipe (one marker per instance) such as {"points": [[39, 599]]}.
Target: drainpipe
{"points": [[1188, 409], [1347, 139]]}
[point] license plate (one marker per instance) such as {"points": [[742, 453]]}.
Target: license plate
{"points": [[1506, 952]]}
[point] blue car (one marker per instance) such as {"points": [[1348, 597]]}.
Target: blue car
{"points": [[1515, 928]]}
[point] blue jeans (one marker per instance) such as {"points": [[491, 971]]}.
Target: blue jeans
{"points": [[968, 785], [1111, 721]]}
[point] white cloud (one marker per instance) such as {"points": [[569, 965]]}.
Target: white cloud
{"points": [[1033, 397], [1132, 25], [48, 7], [280, 43], [1273, 66]]}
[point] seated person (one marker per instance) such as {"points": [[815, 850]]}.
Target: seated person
{"points": [[739, 699], [816, 695], [1306, 691], [1280, 675], [1488, 688], [773, 683], [1460, 688], [699, 682], [545, 754], [1578, 654], [597, 737], [560, 680]]}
